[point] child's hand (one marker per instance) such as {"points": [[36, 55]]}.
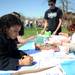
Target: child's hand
{"points": [[26, 60]]}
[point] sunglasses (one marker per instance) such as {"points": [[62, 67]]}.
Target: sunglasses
{"points": [[50, 4]]}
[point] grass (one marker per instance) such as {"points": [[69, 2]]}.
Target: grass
{"points": [[33, 31], [64, 29]]}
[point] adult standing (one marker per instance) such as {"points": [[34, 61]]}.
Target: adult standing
{"points": [[53, 18]]}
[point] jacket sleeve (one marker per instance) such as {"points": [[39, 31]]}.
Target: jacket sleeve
{"points": [[1, 46], [5, 60]]}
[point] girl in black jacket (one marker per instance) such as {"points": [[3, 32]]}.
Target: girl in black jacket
{"points": [[10, 56]]}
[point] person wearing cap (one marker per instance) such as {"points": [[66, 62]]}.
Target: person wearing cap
{"points": [[53, 18]]}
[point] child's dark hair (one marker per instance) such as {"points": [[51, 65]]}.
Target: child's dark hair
{"points": [[21, 32], [19, 16], [71, 27], [9, 20], [16, 14]]}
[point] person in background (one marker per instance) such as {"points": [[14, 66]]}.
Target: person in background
{"points": [[21, 33], [19, 39], [10, 57], [70, 35], [71, 29], [53, 18]]}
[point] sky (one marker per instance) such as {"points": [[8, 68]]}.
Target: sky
{"points": [[29, 8]]}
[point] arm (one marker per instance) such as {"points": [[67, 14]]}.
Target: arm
{"points": [[23, 41], [1, 46], [45, 21], [59, 16], [45, 26], [3, 50]]}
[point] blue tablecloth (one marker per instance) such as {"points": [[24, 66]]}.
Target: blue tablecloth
{"points": [[68, 66]]}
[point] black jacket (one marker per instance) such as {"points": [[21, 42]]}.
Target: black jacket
{"points": [[9, 53]]}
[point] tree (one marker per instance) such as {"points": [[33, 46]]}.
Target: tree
{"points": [[64, 5]]}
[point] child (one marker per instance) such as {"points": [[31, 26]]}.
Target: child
{"points": [[10, 56], [19, 39], [71, 29]]}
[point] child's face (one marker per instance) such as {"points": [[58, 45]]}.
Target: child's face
{"points": [[13, 31]]}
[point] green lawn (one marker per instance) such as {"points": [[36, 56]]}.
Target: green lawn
{"points": [[33, 31], [64, 29]]}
